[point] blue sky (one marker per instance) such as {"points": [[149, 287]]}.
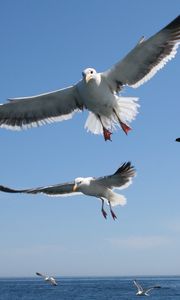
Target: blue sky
{"points": [[45, 45]]}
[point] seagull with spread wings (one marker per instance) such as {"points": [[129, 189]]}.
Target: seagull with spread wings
{"points": [[98, 92], [144, 292], [49, 279], [97, 187]]}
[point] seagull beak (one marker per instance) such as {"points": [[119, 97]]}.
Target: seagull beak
{"points": [[75, 188], [88, 77]]}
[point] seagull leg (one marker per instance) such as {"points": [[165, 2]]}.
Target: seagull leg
{"points": [[106, 132], [104, 213], [124, 126], [112, 213]]}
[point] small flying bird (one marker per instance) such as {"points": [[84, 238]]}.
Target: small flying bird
{"points": [[98, 92], [97, 187], [144, 292], [49, 279], [178, 140]]}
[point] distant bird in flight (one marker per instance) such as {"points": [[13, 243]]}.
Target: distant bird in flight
{"points": [[97, 187], [178, 140], [49, 279], [144, 292], [98, 92]]}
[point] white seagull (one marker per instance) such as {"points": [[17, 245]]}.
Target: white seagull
{"points": [[97, 187], [144, 292], [98, 92], [49, 279]]}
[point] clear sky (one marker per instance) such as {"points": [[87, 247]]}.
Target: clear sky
{"points": [[45, 45]]}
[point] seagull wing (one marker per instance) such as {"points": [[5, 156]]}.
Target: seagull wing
{"points": [[146, 58], [153, 287], [139, 287], [39, 274], [120, 179], [64, 189], [40, 109]]}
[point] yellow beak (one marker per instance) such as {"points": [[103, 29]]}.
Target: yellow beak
{"points": [[75, 187], [88, 77]]}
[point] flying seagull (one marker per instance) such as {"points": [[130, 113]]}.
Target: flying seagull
{"points": [[49, 279], [144, 292], [178, 140], [98, 92], [97, 187]]}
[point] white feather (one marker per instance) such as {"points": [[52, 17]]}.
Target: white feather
{"points": [[117, 199], [126, 108]]}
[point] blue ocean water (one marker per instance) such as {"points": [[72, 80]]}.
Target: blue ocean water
{"points": [[93, 288]]}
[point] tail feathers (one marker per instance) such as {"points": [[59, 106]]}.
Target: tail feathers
{"points": [[126, 109], [93, 124], [117, 199]]}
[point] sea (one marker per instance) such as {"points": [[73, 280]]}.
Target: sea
{"points": [[88, 288]]}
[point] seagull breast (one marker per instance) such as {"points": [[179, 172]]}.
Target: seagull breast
{"points": [[90, 187], [96, 94]]}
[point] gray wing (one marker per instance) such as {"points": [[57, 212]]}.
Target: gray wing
{"points": [[20, 113], [153, 287], [146, 58], [139, 287], [120, 179], [64, 189]]}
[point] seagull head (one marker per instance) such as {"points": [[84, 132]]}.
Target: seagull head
{"points": [[77, 182], [81, 182], [89, 74]]}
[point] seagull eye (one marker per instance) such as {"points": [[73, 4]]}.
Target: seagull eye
{"points": [[91, 72]]}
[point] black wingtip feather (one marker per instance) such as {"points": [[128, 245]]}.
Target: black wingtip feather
{"points": [[178, 140], [8, 190], [174, 24], [124, 168]]}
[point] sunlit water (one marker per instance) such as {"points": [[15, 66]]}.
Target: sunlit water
{"points": [[111, 288]]}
